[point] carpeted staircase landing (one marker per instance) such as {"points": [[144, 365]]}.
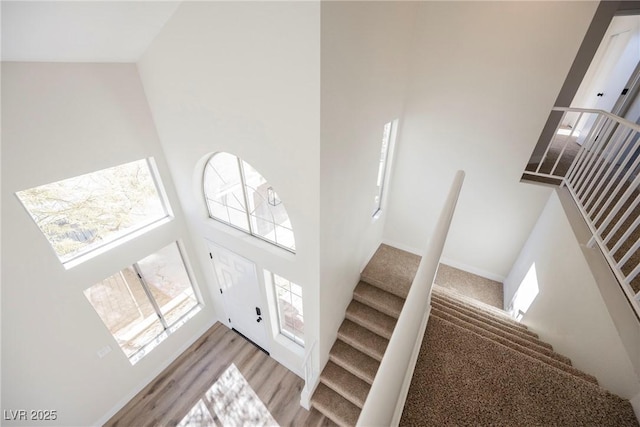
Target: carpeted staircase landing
{"points": [[477, 366], [364, 334]]}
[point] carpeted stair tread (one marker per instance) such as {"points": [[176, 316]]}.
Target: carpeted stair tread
{"points": [[464, 379], [532, 354], [521, 339], [354, 361], [371, 319], [391, 269], [469, 311], [379, 299], [465, 301], [316, 419], [508, 341], [344, 383], [479, 305], [363, 339], [335, 407]]}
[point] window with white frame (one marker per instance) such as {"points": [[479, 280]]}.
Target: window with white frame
{"points": [[382, 167], [239, 196], [289, 306], [145, 302], [81, 214]]}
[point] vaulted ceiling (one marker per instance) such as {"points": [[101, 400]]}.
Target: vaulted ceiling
{"points": [[81, 31]]}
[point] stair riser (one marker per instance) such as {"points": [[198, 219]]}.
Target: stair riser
{"points": [[345, 384], [535, 355], [336, 387], [503, 332], [335, 407], [376, 329], [363, 339], [502, 318], [508, 341], [358, 363], [373, 304], [378, 299], [363, 376], [325, 412], [383, 286], [371, 319], [362, 347], [475, 305], [485, 317]]}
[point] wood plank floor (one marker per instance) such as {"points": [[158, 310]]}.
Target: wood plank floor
{"points": [[172, 394]]}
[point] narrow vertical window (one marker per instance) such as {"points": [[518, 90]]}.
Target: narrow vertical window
{"points": [[145, 302], [289, 307], [382, 168]]}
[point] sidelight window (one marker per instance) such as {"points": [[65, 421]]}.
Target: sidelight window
{"points": [[289, 306]]}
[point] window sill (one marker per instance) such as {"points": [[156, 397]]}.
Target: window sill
{"points": [[111, 245], [291, 346]]}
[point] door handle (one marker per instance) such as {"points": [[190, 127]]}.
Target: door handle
{"points": [[259, 319], [258, 312]]}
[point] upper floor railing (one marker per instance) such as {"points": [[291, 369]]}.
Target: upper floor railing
{"points": [[596, 155], [388, 393]]}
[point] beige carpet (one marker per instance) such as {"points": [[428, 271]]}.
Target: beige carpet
{"points": [[476, 367], [465, 378], [566, 149], [474, 286], [561, 147], [364, 335]]}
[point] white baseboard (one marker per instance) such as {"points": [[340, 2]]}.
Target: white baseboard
{"points": [[449, 262], [635, 404], [105, 418], [404, 391], [402, 246], [473, 270]]}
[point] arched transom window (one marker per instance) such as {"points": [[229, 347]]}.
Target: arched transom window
{"points": [[239, 196]]}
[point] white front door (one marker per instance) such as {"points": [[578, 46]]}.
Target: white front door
{"points": [[238, 281]]}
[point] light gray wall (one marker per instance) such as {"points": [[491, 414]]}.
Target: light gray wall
{"points": [[570, 312], [60, 121], [483, 80], [364, 63]]}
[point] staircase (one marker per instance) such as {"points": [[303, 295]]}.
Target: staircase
{"points": [[364, 334], [477, 363]]}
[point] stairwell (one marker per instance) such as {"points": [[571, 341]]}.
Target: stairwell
{"points": [[477, 365], [364, 334]]}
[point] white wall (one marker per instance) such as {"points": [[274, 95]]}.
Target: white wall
{"points": [[365, 47], [611, 66], [243, 77], [484, 78], [60, 121], [569, 311]]}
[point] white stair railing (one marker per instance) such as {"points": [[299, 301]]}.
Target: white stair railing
{"points": [[596, 155], [388, 393]]}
